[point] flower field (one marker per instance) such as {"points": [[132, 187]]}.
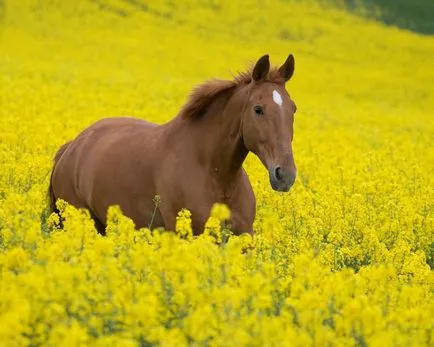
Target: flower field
{"points": [[345, 258]]}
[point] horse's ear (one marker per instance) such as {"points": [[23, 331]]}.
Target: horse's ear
{"points": [[261, 68], [287, 69]]}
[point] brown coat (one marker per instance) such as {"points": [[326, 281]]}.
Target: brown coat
{"points": [[191, 162]]}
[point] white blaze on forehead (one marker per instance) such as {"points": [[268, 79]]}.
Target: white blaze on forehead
{"points": [[277, 98]]}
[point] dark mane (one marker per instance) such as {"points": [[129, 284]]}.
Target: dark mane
{"points": [[204, 94]]}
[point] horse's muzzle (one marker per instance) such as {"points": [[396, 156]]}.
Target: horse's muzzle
{"points": [[282, 180]]}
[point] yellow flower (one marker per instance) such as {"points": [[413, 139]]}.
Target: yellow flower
{"points": [[344, 258]]}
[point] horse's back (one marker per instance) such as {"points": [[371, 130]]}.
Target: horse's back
{"points": [[104, 135], [116, 124]]}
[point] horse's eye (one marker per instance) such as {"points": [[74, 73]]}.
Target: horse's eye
{"points": [[259, 110]]}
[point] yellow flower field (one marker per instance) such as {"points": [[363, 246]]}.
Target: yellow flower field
{"points": [[345, 258]]}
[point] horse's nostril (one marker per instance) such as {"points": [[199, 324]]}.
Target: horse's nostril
{"points": [[278, 173]]}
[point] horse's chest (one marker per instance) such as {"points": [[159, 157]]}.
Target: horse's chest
{"points": [[222, 190]]}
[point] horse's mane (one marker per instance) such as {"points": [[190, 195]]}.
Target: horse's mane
{"points": [[204, 94]]}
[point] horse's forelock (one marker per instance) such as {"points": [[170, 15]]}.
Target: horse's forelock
{"points": [[273, 76]]}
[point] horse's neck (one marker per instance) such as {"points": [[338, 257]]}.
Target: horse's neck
{"points": [[217, 137], [227, 148]]}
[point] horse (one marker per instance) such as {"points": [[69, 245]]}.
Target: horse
{"points": [[192, 161]]}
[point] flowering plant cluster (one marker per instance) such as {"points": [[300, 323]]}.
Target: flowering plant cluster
{"points": [[345, 258]]}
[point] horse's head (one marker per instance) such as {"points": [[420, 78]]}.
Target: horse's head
{"points": [[267, 121]]}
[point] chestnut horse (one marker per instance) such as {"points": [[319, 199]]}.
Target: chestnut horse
{"points": [[192, 161]]}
